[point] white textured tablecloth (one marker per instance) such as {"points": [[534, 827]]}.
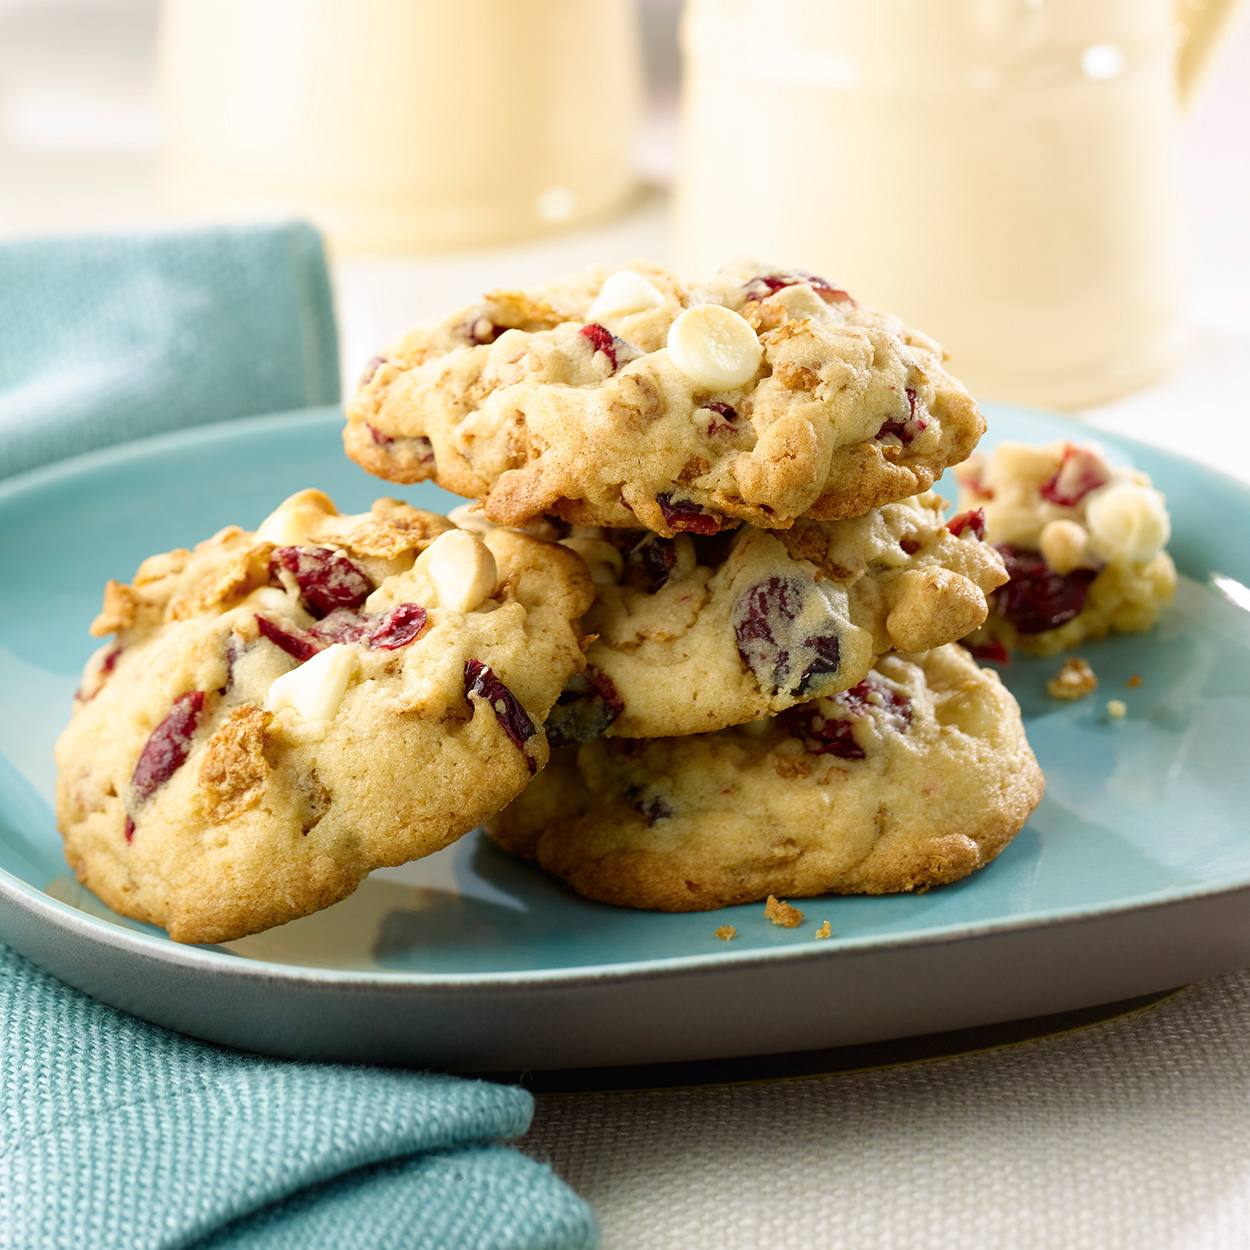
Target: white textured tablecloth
{"points": [[1132, 1134]]}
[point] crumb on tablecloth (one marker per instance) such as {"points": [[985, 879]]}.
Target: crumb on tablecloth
{"points": [[824, 930], [726, 931], [1073, 681], [1116, 709], [780, 912], [1134, 681]]}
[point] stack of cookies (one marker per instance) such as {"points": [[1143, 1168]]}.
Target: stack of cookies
{"points": [[691, 644], [772, 703]]}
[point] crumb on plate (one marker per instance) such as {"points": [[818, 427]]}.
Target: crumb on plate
{"points": [[1116, 709], [1134, 681], [726, 931], [780, 912], [1073, 681], [824, 930]]}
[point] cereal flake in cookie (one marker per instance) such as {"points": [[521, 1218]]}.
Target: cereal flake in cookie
{"points": [[915, 777], [283, 711], [1083, 541], [696, 633], [627, 398]]}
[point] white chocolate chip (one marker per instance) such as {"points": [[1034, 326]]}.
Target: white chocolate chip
{"points": [[468, 516], [1064, 545], [315, 690], [714, 347], [622, 293], [295, 519], [268, 598], [605, 562], [462, 570], [1128, 522]]}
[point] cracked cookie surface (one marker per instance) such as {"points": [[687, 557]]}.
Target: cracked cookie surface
{"points": [[695, 633], [283, 711], [916, 777], [760, 396]]}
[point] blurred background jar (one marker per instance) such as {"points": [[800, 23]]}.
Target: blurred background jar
{"points": [[402, 125], [1000, 173]]}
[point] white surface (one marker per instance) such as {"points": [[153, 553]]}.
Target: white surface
{"points": [[1129, 1135]]}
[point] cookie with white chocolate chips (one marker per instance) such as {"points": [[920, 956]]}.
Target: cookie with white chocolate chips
{"points": [[283, 711], [1083, 541], [627, 398], [915, 777], [694, 633]]}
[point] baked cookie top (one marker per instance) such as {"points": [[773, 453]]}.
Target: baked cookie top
{"points": [[694, 633], [914, 777], [1083, 541], [282, 711], [627, 398]]}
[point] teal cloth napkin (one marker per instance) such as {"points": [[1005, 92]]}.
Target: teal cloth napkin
{"points": [[119, 1135], [110, 338]]}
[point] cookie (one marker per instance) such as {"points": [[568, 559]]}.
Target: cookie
{"points": [[626, 398], [915, 777], [694, 633], [283, 711], [1083, 541]]}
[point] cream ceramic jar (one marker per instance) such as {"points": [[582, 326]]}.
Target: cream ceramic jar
{"points": [[1001, 173], [399, 125]]}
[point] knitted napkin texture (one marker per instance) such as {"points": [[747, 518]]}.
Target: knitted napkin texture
{"points": [[112, 338], [119, 1135]]}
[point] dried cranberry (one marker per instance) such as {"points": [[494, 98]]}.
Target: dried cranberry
{"points": [[770, 283], [1037, 598], [398, 627], [297, 645], [773, 624], [130, 829], [382, 440], [586, 707], [686, 515], [904, 431], [909, 546], [728, 417], [650, 563], [833, 733], [974, 521], [167, 747], [374, 364], [1079, 472], [327, 579], [993, 652], [602, 340], [896, 428], [342, 625], [481, 681]]}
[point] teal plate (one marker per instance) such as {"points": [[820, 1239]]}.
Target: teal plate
{"points": [[1132, 876]]}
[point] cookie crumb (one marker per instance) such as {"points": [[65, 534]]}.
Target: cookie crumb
{"points": [[1134, 681], [726, 931], [1074, 680], [824, 930], [1116, 709], [780, 912]]}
